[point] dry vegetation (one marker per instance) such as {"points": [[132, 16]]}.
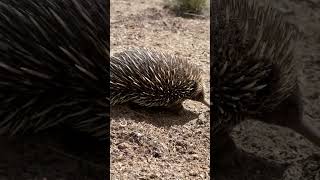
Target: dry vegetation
{"points": [[188, 7]]}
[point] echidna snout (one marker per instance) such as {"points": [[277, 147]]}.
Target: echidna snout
{"points": [[200, 97], [151, 78]]}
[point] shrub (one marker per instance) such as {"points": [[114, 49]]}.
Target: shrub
{"points": [[187, 7]]}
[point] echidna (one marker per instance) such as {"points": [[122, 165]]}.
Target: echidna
{"points": [[254, 70], [53, 65], [151, 78]]}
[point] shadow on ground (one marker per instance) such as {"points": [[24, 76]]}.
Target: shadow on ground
{"points": [[156, 118], [251, 167]]}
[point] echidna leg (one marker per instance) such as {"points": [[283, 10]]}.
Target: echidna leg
{"points": [[225, 152], [290, 114], [134, 106], [176, 108]]}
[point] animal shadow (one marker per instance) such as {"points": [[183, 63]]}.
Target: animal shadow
{"points": [[251, 167], [156, 117]]}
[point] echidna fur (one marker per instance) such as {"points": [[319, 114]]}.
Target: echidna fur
{"points": [[254, 70], [151, 78], [53, 65]]}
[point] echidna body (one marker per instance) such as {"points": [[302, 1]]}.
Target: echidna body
{"points": [[53, 65], [152, 78], [254, 72]]}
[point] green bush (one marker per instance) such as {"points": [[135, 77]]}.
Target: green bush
{"points": [[185, 7]]}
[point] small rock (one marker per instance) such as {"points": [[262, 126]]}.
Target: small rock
{"points": [[192, 173], [195, 156], [123, 146]]}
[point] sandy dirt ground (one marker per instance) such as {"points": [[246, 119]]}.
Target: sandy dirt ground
{"points": [[164, 146], [160, 146]]}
